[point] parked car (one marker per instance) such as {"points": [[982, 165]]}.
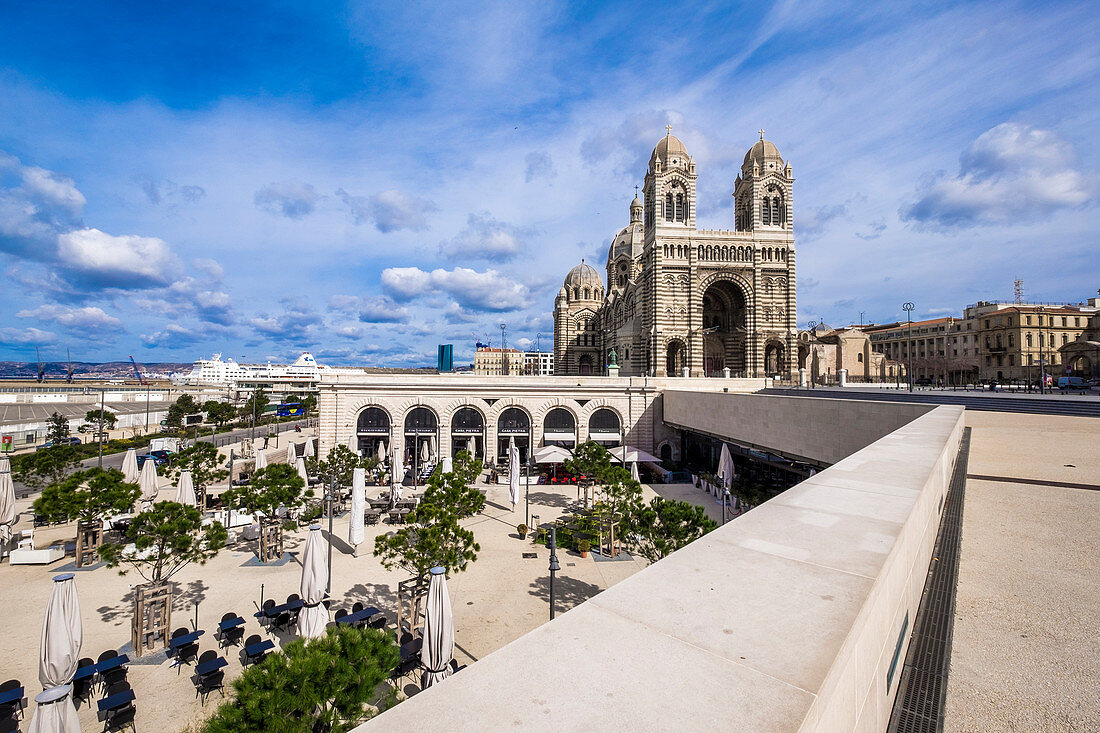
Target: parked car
{"points": [[157, 460], [73, 440], [1072, 383], [924, 382], [164, 455]]}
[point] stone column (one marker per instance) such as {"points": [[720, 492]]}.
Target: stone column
{"points": [[842, 377]]}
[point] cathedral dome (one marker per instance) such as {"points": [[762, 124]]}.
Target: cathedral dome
{"points": [[669, 148], [763, 151], [582, 275]]}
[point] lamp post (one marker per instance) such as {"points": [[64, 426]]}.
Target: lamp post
{"points": [[331, 497], [908, 308], [503, 363], [527, 488], [810, 355], [554, 566], [102, 407]]}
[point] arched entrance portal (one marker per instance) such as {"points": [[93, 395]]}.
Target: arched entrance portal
{"points": [[421, 442], [372, 428], [1079, 366], [775, 359], [584, 365], [514, 425], [604, 428], [468, 432], [675, 358], [724, 315], [559, 427]]}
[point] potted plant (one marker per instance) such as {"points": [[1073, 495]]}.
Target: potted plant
{"points": [[522, 529], [583, 546]]}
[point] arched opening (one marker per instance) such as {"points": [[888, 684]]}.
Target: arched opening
{"points": [[559, 427], [514, 425], [468, 432], [421, 443], [724, 337], [584, 365], [1079, 366], [666, 454], [775, 359], [372, 428], [675, 358], [605, 428]]}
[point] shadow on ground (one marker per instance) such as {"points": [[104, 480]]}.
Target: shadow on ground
{"points": [[568, 592], [558, 501]]}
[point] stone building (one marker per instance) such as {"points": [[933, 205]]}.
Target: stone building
{"points": [[825, 351], [684, 301], [1082, 356], [494, 362]]}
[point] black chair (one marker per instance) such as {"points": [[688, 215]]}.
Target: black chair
{"points": [[116, 687], [378, 622], [405, 667], [207, 656], [112, 676], [233, 634], [186, 654], [82, 688], [205, 684], [266, 620], [109, 654], [293, 612], [252, 658], [121, 718], [8, 725], [15, 707], [282, 621], [357, 607]]}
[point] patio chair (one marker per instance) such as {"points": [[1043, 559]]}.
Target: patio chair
{"points": [[8, 725], [82, 688], [117, 687], [15, 707], [112, 676], [121, 718], [208, 656], [340, 614], [377, 622], [253, 658], [357, 607], [282, 621], [206, 684], [232, 635], [266, 620]]}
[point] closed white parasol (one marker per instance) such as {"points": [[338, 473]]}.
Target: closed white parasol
{"points": [[314, 616], [129, 466], [358, 506], [62, 635], [185, 490], [439, 632]]}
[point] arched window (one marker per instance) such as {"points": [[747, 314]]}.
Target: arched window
{"points": [[700, 251], [668, 206], [576, 293], [604, 427], [587, 294], [1028, 340], [766, 212], [666, 250], [680, 207], [859, 358], [373, 420]]}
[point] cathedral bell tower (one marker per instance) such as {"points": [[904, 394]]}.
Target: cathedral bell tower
{"points": [[669, 186], [762, 193]]}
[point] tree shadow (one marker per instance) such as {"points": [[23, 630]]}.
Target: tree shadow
{"points": [[379, 595], [122, 611], [568, 592], [193, 593], [558, 501]]}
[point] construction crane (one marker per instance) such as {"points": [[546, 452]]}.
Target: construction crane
{"points": [[41, 366], [484, 342], [141, 379], [69, 368]]}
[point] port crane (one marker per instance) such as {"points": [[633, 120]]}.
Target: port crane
{"points": [[141, 379]]}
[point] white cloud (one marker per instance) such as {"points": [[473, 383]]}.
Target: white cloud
{"points": [[539, 165], [1011, 173], [289, 198], [126, 261], [211, 268], [389, 210], [26, 336], [88, 317], [485, 238], [486, 291], [215, 307]]}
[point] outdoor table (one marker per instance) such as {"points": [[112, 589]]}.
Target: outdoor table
{"points": [[354, 618], [116, 700], [11, 695], [179, 641], [379, 503], [276, 610], [207, 667], [258, 647], [111, 663], [226, 625]]}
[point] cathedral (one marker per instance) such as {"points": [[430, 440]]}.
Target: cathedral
{"points": [[681, 301]]}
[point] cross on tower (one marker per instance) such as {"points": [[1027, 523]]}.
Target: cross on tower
{"points": [[668, 129], [635, 192], [761, 134]]}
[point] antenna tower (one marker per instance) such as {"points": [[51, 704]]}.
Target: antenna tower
{"points": [[1019, 294]]}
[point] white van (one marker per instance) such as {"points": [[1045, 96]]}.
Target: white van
{"points": [[1072, 383]]}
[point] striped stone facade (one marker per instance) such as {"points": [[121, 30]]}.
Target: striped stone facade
{"points": [[701, 300]]}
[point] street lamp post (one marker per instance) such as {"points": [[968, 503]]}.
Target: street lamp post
{"points": [[503, 363], [908, 308], [810, 356], [331, 497], [554, 566]]}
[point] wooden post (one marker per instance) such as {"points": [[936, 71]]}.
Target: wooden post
{"points": [[271, 539], [89, 536], [152, 617], [413, 591]]}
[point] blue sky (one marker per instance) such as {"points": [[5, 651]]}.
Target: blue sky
{"points": [[368, 180]]}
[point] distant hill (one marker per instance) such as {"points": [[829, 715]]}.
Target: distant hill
{"points": [[85, 370]]}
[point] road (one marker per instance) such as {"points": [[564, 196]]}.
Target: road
{"points": [[1085, 405]]}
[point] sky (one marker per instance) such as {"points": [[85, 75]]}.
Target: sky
{"points": [[368, 180]]}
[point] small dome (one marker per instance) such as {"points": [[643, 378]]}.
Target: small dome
{"points": [[669, 148], [763, 151], [636, 203], [583, 275]]}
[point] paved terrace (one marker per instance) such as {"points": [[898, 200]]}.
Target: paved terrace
{"points": [[788, 618]]}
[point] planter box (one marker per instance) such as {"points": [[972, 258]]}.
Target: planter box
{"points": [[36, 557]]}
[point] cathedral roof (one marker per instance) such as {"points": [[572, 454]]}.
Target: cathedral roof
{"points": [[763, 151], [669, 147], [583, 274]]}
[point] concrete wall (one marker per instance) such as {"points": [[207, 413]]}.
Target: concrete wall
{"points": [[816, 429], [786, 619]]}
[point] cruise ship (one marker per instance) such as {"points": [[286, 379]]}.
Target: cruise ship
{"points": [[301, 376]]}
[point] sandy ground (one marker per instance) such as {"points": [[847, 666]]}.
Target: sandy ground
{"points": [[499, 598], [1026, 648]]}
